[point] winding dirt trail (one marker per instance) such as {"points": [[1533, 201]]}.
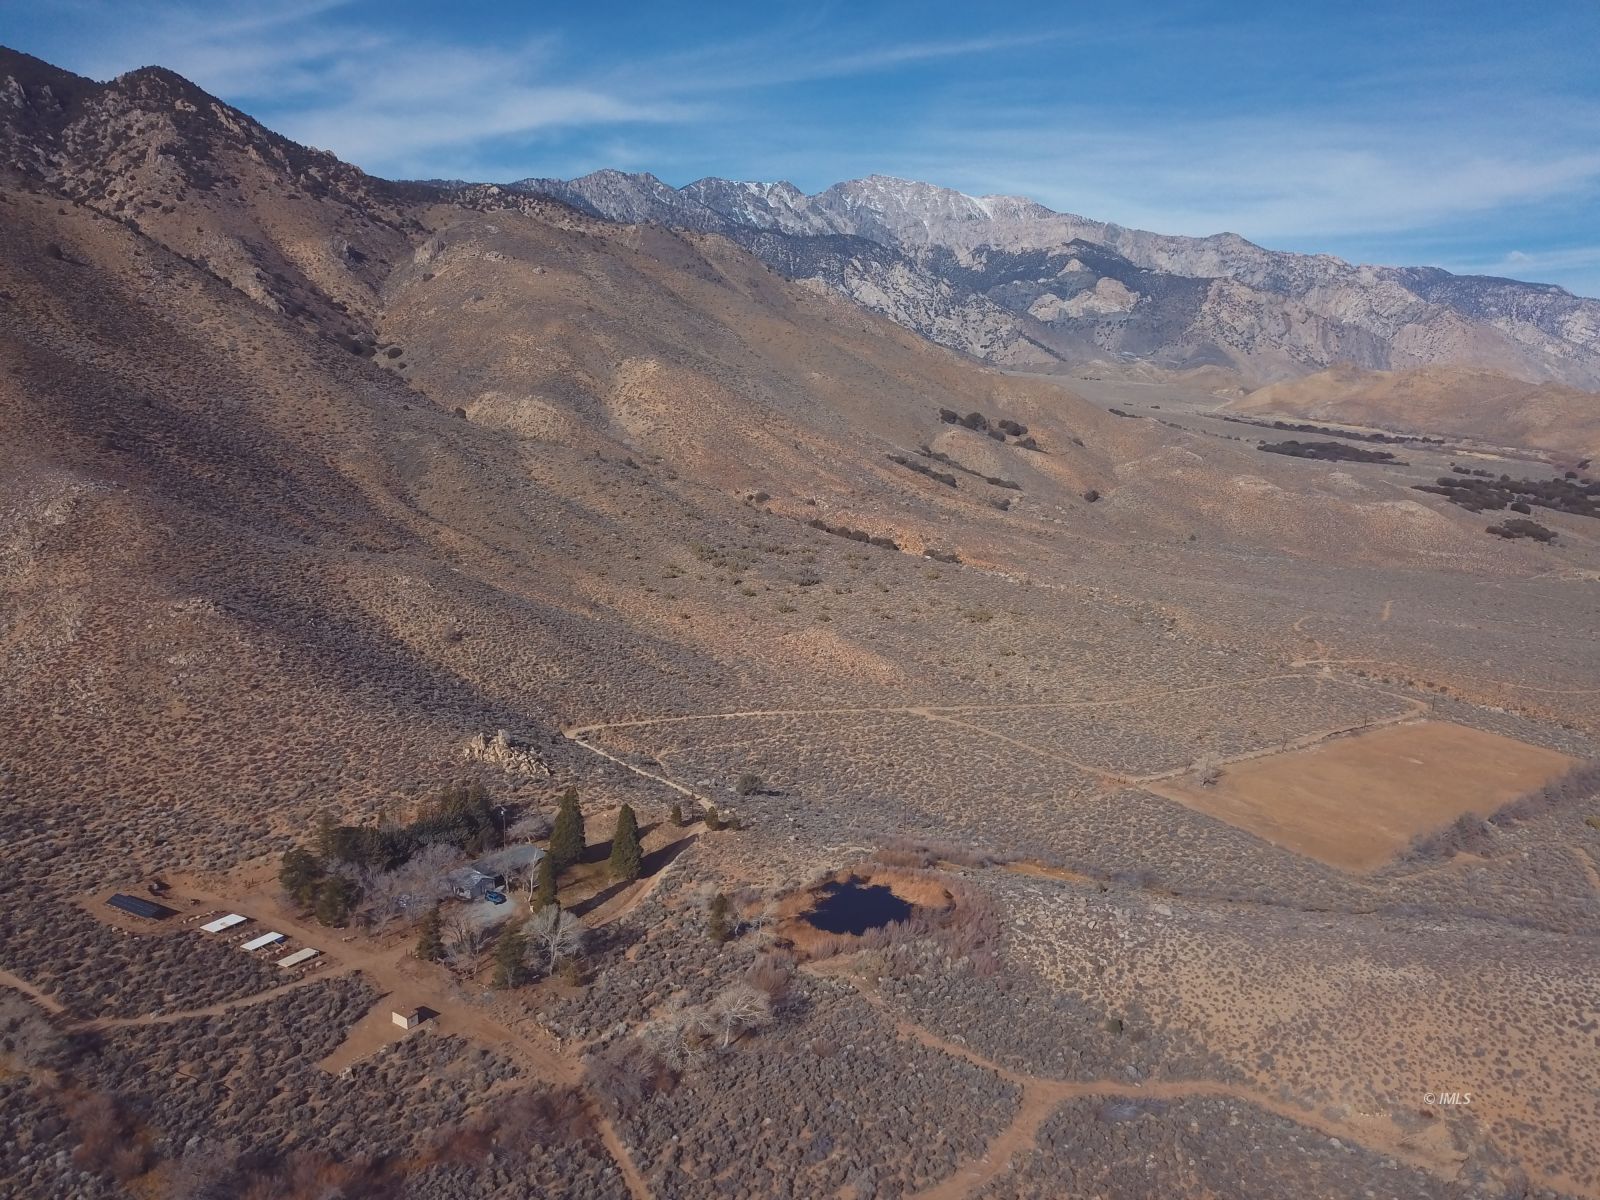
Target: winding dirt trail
{"points": [[99, 1024], [39, 996], [947, 714], [577, 739], [579, 732], [1041, 1096], [397, 975]]}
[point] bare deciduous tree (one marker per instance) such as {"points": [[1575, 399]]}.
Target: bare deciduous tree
{"points": [[557, 932], [410, 890], [533, 827], [463, 938], [737, 1008], [681, 1034]]}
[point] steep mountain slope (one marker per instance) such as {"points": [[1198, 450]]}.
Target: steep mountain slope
{"points": [[290, 227], [1081, 288], [790, 233], [203, 487], [1446, 400]]}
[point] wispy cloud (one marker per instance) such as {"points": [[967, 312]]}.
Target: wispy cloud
{"points": [[394, 103], [1265, 178], [1408, 132], [1537, 263]]}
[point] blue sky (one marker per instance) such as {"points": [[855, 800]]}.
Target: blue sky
{"points": [[1462, 134]]}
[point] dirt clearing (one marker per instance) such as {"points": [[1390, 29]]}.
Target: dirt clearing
{"points": [[1356, 802]]}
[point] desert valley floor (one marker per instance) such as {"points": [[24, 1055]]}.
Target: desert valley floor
{"points": [[1125, 977], [1236, 810]]}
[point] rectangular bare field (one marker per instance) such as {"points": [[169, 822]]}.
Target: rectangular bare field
{"points": [[1355, 802]]}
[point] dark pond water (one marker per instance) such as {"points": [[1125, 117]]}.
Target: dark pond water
{"points": [[855, 907]]}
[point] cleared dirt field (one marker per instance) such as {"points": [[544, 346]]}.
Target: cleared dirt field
{"points": [[1355, 802]]}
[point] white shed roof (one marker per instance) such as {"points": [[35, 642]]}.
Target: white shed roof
{"points": [[298, 957], [221, 923], [266, 939]]}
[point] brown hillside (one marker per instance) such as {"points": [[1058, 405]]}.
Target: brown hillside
{"points": [[1456, 401]]}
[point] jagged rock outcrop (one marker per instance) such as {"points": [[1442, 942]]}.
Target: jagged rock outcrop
{"points": [[505, 752]]}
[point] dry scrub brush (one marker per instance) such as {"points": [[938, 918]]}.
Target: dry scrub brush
{"points": [[1470, 834]]}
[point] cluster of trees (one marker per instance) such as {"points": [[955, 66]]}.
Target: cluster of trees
{"points": [[1470, 833], [1476, 492], [922, 468], [855, 535], [1387, 439], [388, 870], [941, 456], [686, 1033], [391, 864], [1329, 452], [1521, 527], [461, 814], [552, 939], [329, 894], [979, 423]]}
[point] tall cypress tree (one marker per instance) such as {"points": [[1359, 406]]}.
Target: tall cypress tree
{"points": [[718, 927], [510, 953], [325, 828], [625, 851], [566, 843], [335, 900], [430, 942], [546, 893], [299, 874]]}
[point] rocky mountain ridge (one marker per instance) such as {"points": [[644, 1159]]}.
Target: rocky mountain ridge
{"points": [[1008, 280]]}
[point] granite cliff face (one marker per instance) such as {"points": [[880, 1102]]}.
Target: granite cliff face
{"points": [[1006, 279]]}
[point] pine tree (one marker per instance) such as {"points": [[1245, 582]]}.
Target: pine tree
{"points": [[336, 900], [325, 834], [713, 818], [718, 928], [299, 875], [625, 850], [545, 895], [510, 953], [430, 942], [675, 817], [567, 842], [481, 806]]}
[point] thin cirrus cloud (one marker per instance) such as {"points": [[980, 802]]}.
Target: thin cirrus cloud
{"points": [[1461, 145], [383, 100], [1267, 180], [453, 101]]}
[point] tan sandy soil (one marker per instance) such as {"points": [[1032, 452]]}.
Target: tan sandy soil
{"points": [[1356, 802]]}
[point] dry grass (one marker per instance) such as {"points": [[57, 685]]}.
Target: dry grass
{"points": [[1356, 802]]}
